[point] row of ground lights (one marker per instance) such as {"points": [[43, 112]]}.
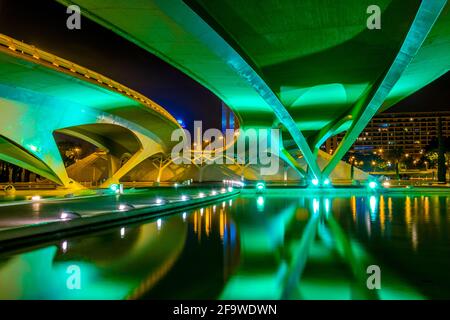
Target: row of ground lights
{"points": [[159, 222]]}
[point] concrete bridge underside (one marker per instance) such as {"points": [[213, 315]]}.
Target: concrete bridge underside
{"points": [[312, 68], [41, 94]]}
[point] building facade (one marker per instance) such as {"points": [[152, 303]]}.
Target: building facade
{"points": [[410, 132]]}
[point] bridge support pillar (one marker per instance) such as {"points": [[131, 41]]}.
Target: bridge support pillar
{"points": [[149, 148]]}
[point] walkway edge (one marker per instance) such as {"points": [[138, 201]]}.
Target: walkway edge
{"points": [[46, 232]]}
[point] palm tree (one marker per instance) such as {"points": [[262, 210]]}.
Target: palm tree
{"points": [[441, 154], [395, 156], [435, 153]]}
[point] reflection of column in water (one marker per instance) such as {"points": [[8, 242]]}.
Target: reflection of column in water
{"points": [[221, 229], [408, 218], [207, 222]]}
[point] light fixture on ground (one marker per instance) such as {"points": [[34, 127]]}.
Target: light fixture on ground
{"points": [[372, 185], [315, 182], [68, 215], [116, 188], [36, 198], [230, 189], [326, 182], [159, 201], [201, 195], [214, 192], [184, 197], [125, 207]]}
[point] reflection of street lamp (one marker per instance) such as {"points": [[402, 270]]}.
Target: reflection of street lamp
{"points": [[426, 165]]}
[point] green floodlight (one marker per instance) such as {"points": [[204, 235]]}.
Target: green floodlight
{"points": [[373, 185], [114, 187], [260, 186]]}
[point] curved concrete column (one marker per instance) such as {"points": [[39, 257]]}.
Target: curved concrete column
{"points": [[149, 148]]}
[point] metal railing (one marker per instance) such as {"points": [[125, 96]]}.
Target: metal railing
{"points": [[46, 58]]}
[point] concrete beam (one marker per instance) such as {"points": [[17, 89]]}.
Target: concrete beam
{"points": [[426, 17]]}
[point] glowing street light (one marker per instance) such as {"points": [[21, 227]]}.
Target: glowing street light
{"points": [[125, 207], [372, 185]]}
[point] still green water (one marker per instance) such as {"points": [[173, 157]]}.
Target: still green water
{"points": [[277, 245]]}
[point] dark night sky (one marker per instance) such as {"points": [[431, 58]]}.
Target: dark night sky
{"points": [[43, 24]]}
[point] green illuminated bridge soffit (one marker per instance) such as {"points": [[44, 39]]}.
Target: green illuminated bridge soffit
{"points": [[25, 66], [312, 65], [41, 94]]}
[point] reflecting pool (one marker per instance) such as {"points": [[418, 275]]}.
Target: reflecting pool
{"points": [[275, 245]]}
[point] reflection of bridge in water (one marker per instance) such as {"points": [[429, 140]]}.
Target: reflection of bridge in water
{"points": [[245, 248], [301, 252], [123, 264]]}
